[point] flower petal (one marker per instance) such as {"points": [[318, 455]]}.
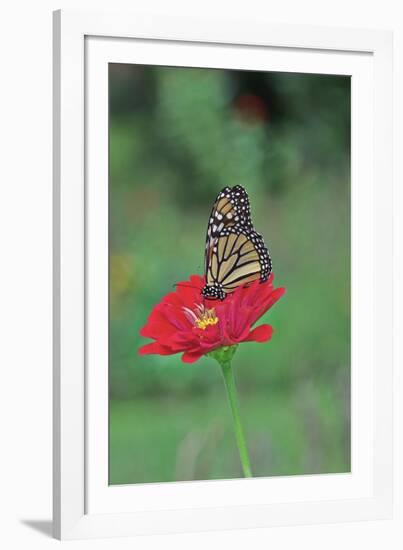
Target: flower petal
{"points": [[156, 348], [266, 303], [191, 356], [189, 291], [155, 330], [261, 333]]}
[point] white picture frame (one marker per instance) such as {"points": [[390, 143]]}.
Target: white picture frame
{"points": [[84, 505]]}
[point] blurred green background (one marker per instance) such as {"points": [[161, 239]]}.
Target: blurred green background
{"points": [[177, 136]]}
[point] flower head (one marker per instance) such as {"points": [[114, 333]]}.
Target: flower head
{"points": [[184, 322]]}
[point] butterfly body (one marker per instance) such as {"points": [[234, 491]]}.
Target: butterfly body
{"points": [[235, 254]]}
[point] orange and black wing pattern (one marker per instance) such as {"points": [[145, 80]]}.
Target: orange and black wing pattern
{"points": [[235, 254]]}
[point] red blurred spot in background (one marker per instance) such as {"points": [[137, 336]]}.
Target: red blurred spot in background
{"points": [[251, 109]]}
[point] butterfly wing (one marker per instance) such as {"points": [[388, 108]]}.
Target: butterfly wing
{"points": [[239, 257], [231, 209]]}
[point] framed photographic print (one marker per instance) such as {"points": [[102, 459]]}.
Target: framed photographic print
{"points": [[223, 309]]}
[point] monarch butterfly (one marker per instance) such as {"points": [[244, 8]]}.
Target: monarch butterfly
{"points": [[235, 253]]}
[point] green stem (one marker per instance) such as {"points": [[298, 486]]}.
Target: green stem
{"points": [[233, 401]]}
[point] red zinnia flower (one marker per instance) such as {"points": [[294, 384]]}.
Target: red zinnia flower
{"points": [[184, 322]]}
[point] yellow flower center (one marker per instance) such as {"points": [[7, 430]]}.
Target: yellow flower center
{"points": [[201, 316], [206, 321]]}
